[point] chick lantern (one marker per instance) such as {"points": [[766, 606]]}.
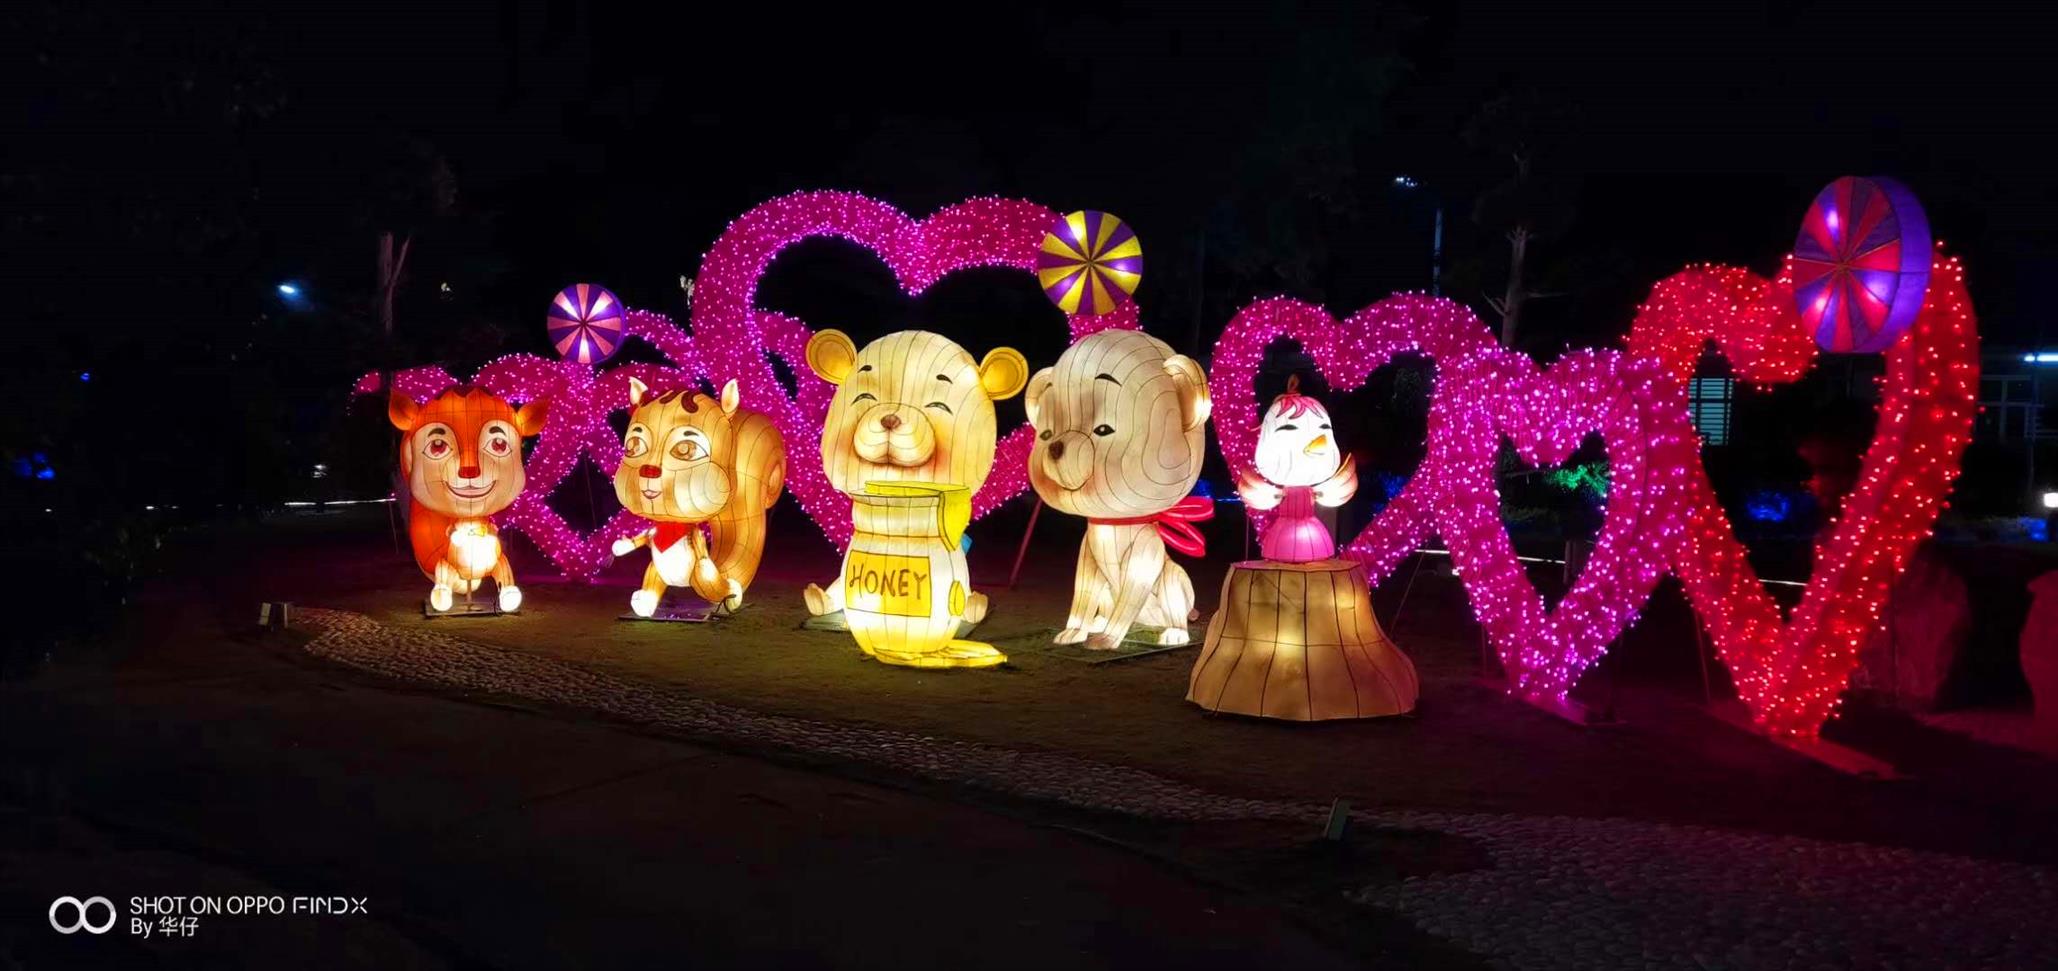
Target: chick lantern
{"points": [[1297, 467]]}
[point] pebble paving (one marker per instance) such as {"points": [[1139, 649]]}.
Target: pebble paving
{"points": [[1571, 893]]}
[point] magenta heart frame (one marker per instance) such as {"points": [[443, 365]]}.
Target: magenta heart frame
{"points": [[580, 402], [734, 338], [1484, 395]]}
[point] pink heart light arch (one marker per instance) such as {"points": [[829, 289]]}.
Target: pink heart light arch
{"points": [[736, 335], [581, 401], [1485, 394], [733, 338]]}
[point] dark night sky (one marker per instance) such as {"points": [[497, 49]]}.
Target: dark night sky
{"points": [[614, 144]]}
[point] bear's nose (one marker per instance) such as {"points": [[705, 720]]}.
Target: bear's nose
{"points": [[468, 472], [1057, 450], [890, 422], [648, 472]]}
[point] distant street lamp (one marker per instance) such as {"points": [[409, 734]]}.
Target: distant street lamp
{"points": [[1408, 183], [289, 290]]}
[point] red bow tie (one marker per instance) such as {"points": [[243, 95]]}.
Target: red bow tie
{"points": [[1175, 525]]}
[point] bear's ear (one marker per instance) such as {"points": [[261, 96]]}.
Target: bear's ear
{"points": [[402, 411], [529, 418], [1194, 403], [731, 398], [1033, 397], [1003, 372], [637, 392], [831, 355]]}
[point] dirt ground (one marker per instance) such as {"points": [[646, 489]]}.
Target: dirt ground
{"points": [[489, 833], [1469, 748]]}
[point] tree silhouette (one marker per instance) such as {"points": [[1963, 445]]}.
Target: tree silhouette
{"points": [[1521, 127]]}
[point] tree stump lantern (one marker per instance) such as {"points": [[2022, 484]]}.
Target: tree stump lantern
{"points": [[1299, 641]]}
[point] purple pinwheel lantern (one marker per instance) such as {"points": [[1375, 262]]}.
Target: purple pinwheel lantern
{"points": [[1861, 264], [586, 322]]}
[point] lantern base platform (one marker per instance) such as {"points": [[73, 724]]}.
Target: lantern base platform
{"points": [[467, 608], [1139, 642], [833, 620], [684, 610], [1299, 642], [1842, 758]]}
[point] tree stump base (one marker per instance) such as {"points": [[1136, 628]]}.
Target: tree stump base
{"points": [[1298, 641]]}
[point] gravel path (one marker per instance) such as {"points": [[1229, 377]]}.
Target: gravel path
{"points": [[1583, 894]]}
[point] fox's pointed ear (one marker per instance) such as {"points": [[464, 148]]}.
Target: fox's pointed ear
{"points": [[402, 411], [731, 397], [529, 418], [637, 392]]}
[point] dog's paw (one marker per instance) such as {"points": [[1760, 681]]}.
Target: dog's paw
{"points": [[1174, 635], [1102, 642], [1070, 635], [643, 603], [439, 598], [510, 599]]}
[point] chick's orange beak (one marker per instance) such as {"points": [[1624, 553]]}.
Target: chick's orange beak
{"points": [[1321, 442]]}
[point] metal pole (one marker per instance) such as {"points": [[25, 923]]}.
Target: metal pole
{"points": [[1436, 256], [1701, 654], [1399, 608], [1200, 275], [1023, 550]]}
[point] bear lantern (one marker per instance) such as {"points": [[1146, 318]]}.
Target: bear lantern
{"points": [[1120, 433], [909, 437]]}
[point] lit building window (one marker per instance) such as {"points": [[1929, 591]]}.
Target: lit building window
{"points": [[1708, 402]]}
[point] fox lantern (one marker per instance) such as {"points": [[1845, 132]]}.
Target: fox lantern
{"points": [[462, 456]]}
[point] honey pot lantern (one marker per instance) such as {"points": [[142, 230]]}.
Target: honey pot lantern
{"points": [[905, 582]]}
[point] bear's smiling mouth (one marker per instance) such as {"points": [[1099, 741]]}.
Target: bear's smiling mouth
{"points": [[652, 494], [473, 493]]}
